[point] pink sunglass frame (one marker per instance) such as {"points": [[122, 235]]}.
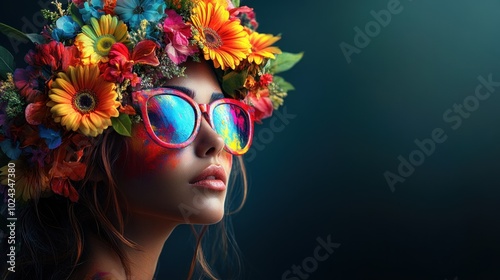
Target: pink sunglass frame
{"points": [[142, 97]]}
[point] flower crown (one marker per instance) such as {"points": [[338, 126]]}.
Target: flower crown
{"points": [[93, 53]]}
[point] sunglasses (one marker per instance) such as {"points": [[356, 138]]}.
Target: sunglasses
{"points": [[173, 119]]}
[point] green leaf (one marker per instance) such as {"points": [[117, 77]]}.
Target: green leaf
{"points": [[122, 124], [35, 38], [234, 81], [282, 84], [285, 61], [76, 15], [6, 62], [20, 36], [236, 3]]}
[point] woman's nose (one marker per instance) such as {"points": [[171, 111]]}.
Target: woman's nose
{"points": [[208, 142]]}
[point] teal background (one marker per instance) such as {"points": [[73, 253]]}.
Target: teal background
{"points": [[323, 174]]}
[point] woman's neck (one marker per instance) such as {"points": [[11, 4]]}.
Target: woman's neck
{"points": [[149, 235]]}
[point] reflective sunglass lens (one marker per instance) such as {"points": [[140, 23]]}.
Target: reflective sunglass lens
{"points": [[172, 118], [233, 124]]}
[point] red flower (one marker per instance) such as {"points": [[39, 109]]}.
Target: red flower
{"points": [[265, 80], [66, 166], [109, 7], [37, 112], [127, 109], [262, 103], [62, 186], [26, 134], [121, 63], [53, 54], [144, 53], [44, 61]]}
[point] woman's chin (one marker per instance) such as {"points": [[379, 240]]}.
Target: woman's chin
{"points": [[211, 213]]}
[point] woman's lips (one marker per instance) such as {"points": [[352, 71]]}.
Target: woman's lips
{"points": [[212, 177]]}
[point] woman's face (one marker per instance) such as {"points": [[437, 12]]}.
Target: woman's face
{"points": [[186, 185]]}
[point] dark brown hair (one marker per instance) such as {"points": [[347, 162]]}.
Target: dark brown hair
{"points": [[52, 230]]}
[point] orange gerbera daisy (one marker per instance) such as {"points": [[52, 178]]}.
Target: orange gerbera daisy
{"points": [[261, 47], [224, 41], [96, 39], [82, 100]]}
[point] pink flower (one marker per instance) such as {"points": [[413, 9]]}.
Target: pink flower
{"points": [[177, 35], [262, 103], [246, 15], [79, 3]]}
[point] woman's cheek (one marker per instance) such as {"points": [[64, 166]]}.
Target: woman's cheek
{"points": [[145, 156], [227, 161]]}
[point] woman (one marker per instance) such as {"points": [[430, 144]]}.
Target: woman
{"points": [[123, 126]]}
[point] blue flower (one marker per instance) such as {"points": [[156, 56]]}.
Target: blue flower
{"points": [[133, 12], [12, 151], [51, 137], [152, 33], [66, 28], [94, 9]]}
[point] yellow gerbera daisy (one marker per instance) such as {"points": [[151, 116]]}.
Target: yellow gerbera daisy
{"points": [[261, 47], [82, 100], [224, 41], [96, 39]]}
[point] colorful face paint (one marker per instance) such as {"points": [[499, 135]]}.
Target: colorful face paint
{"points": [[145, 155], [159, 181]]}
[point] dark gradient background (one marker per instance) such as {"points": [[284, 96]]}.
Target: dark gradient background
{"points": [[323, 174]]}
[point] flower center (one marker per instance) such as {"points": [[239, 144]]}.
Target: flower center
{"points": [[103, 44], [138, 10], [84, 101], [212, 39]]}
